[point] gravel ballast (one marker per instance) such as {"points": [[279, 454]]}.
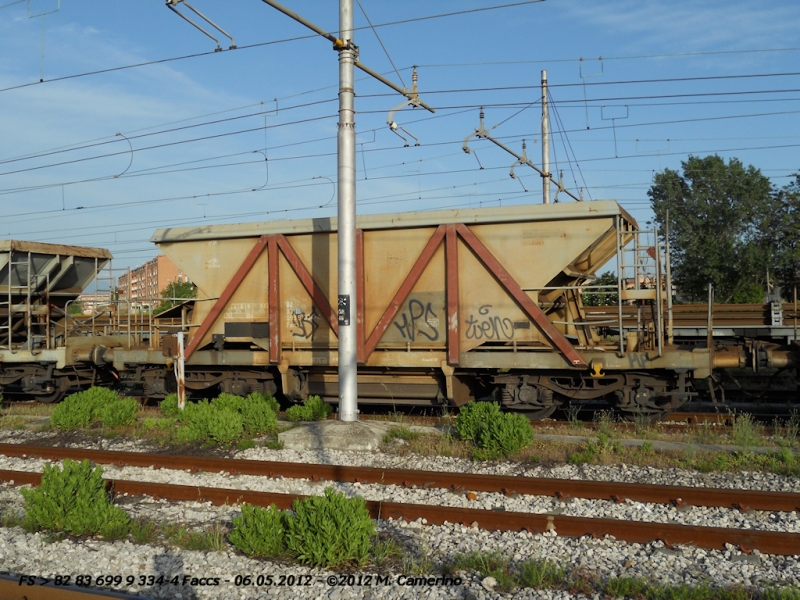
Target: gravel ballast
{"points": [[34, 554]]}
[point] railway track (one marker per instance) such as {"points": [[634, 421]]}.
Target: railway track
{"points": [[507, 485], [715, 538], [710, 538]]}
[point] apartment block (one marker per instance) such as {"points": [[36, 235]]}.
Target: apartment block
{"points": [[144, 284]]}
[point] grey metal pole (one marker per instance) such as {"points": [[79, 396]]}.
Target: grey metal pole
{"points": [[348, 389], [670, 325], [545, 143]]}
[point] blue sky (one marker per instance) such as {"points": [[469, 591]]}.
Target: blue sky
{"points": [[658, 81]]}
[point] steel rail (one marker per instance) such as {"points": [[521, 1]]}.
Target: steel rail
{"points": [[641, 532], [41, 588], [508, 485]]}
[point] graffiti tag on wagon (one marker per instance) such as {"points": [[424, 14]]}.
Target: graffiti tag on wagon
{"points": [[418, 319], [488, 326], [306, 324]]}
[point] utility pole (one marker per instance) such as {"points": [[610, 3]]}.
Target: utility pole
{"points": [[545, 143], [346, 169], [346, 173]]}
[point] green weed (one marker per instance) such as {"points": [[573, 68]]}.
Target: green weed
{"points": [[260, 531], [776, 593], [572, 416], [791, 428], [73, 500], [745, 430], [169, 406], [143, 531], [488, 565], [245, 444], [385, 550], [9, 518], [472, 416], [329, 530], [605, 422], [150, 423], [400, 433], [228, 402], [82, 409], [268, 399], [540, 574], [493, 432], [313, 409], [211, 539], [119, 413], [626, 587]]}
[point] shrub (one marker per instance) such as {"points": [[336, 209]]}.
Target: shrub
{"points": [[505, 433], [226, 418], [329, 530], [258, 417], [298, 412], [259, 531], [73, 500], [258, 397], [190, 410], [224, 425], [195, 416], [471, 418], [119, 413], [204, 421], [169, 406], [493, 432], [82, 409], [319, 409], [228, 401], [313, 409]]}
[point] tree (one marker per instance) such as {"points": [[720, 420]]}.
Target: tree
{"points": [[785, 233], [76, 308], [719, 216], [176, 289], [604, 297]]}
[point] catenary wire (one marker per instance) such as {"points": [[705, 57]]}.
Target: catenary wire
{"points": [[262, 44]]}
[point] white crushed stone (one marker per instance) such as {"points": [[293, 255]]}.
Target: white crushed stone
{"points": [[31, 554]]}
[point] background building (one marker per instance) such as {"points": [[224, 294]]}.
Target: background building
{"points": [[144, 284]]}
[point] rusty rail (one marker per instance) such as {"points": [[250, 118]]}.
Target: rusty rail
{"points": [[536, 486], [711, 538]]}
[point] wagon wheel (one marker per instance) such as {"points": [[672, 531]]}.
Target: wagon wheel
{"points": [[546, 406], [538, 414], [50, 398]]}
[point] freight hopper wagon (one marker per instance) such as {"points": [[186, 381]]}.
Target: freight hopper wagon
{"points": [[452, 306], [43, 349]]}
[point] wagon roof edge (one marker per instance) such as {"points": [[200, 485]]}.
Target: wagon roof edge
{"points": [[60, 249], [506, 214]]}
